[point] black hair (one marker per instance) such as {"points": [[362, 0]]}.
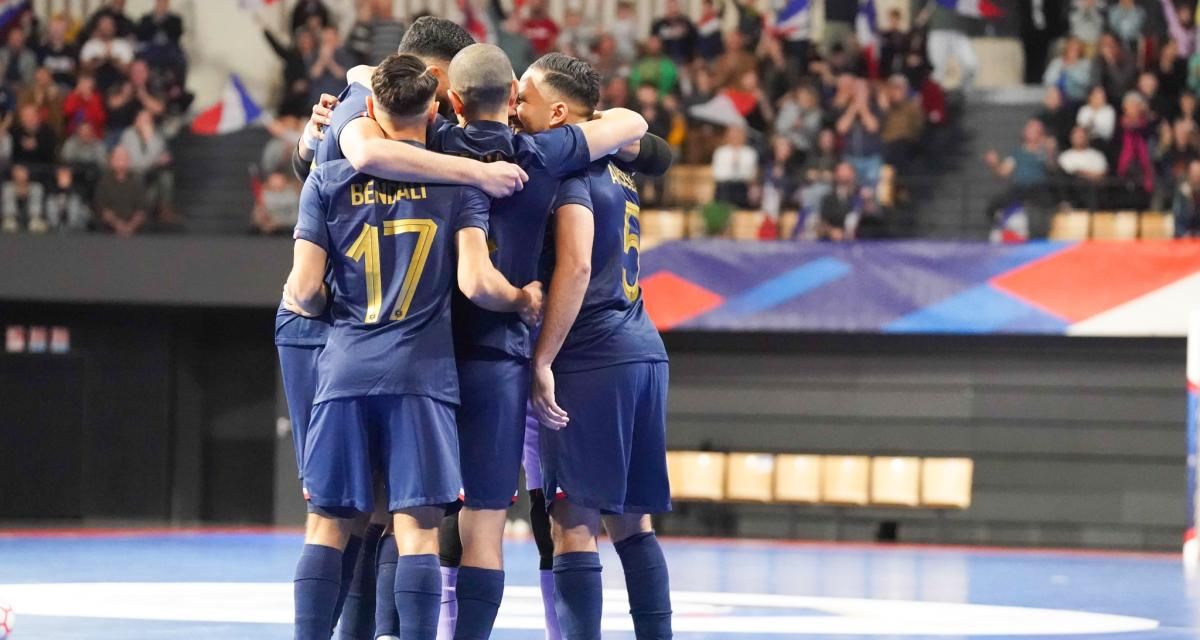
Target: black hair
{"points": [[572, 78], [436, 38], [403, 86]]}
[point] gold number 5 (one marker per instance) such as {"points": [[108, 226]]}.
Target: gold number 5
{"points": [[633, 241], [366, 250]]}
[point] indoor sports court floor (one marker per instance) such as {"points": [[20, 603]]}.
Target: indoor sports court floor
{"points": [[235, 585]]}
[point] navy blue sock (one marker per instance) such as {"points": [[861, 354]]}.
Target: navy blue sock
{"points": [[648, 584], [479, 594], [418, 596], [318, 580], [358, 615], [578, 595], [386, 623], [349, 559]]}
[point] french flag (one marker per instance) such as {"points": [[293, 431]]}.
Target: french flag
{"points": [[973, 8], [235, 111], [793, 18], [865, 31], [10, 10]]}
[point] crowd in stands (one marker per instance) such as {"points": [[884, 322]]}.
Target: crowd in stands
{"points": [[86, 109], [1118, 128]]}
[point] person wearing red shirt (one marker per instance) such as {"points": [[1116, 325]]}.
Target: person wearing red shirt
{"points": [[84, 104], [541, 31]]}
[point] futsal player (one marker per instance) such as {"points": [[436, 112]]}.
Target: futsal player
{"points": [[599, 384], [386, 381]]}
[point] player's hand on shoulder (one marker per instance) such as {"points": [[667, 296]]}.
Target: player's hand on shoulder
{"points": [[545, 407], [501, 179], [531, 312], [322, 116]]}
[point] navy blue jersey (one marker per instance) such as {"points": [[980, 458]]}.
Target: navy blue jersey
{"points": [[612, 327], [292, 330], [518, 223], [352, 104], [392, 261]]}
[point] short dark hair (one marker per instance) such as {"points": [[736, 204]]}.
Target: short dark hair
{"points": [[403, 86], [436, 38], [571, 77]]}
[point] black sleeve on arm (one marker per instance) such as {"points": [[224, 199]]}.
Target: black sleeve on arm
{"points": [[299, 166], [655, 156]]}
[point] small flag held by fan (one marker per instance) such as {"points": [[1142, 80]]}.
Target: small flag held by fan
{"points": [[973, 8], [236, 110]]}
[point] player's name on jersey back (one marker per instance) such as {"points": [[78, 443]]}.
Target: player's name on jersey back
{"points": [[386, 192], [621, 178]]}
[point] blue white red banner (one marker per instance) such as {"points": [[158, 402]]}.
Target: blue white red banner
{"points": [[1085, 289]]}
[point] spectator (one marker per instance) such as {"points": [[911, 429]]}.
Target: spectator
{"points": [[781, 178], [649, 104], [676, 33], [839, 23], [159, 33], [48, 98], [129, 98], [604, 58], [1085, 169], [277, 153], [948, 42], [1114, 68], [514, 43], [751, 102], [66, 206], [1024, 170], [22, 202], [578, 36], [1133, 165], [106, 56], [1180, 16], [1157, 105], [734, 63], [120, 199], [327, 67], [33, 141], [1071, 72], [616, 93], [85, 153], [277, 209], [1058, 119], [311, 15], [1171, 70], [1187, 204], [151, 161], [709, 43], [818, 170], [296, 83], [1098, 118], [1176, 151], [841, 208], [859, 125], [114, 11], [383, 31], [626, 32], [903, 122], [893, 44], [655, 69], [17, 62], [1087, 21], [735, 168], [799, 119], [916, 62], [58, 55], [85, 105], [1126, 19], [539, 28], [358, 41]]}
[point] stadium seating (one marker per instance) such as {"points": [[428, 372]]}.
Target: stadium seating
{"points": [[896, 481], [797, 478], [846, 480], [1157, 226], [1070, 226], [696, 475], [751, 477], [1121, 225], [744, 225], [946, 482]]}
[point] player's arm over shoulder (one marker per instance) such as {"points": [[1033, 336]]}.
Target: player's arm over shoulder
{"points": [[478, 278]]}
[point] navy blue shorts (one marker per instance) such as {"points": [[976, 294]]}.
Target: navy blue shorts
{"points": [[410, 441], [491, 427], [299, 368], [612, 456]]}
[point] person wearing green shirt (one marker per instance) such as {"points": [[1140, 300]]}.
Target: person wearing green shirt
{"points": [[655, 68]]}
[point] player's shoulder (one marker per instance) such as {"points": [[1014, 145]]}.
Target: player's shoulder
{"points": [[332, 172]]}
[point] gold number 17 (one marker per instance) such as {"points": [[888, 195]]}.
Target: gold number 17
{"points": [[366, 250]]}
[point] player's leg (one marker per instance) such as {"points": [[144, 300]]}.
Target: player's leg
{"points": [[419, 443], [337, 479], [357, 621], [491, 428], [450, 553], [579, 592], [539, 521], [646, 577], [350, 557]]}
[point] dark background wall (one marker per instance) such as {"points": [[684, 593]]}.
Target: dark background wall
{"points": [[166, 407]]}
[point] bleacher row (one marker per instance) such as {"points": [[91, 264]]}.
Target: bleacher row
{"points": [[1112, 225], [885, 481]]}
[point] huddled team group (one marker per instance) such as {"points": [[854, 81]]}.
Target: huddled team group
{"points": [[424, 363]]}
